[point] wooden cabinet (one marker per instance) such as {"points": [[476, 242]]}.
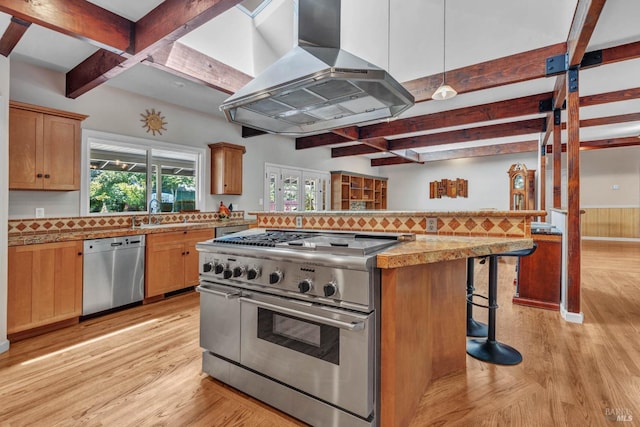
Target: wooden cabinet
{"points": [[539, 274], [44, 148], [351, 191], [226, 168], [44, 285], [522, 187], [172, 261]]}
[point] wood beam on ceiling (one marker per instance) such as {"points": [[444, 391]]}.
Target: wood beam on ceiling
{"points": [[389, 161], [320, 140], [12, 35], [515, 68], [488, 150], [195, 66], [584, 22], [162, 26], [627, 141], [75, 18], [473, 134]]}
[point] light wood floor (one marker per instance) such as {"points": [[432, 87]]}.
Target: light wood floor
{"points": [[141, 367]]}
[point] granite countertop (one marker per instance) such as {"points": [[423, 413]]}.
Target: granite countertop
{"points": [[430, 249], [117, 232]]}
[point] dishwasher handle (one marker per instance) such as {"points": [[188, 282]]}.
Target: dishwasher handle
{"points": [[115, 244]]}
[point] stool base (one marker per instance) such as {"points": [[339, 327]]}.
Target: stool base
{"points": [[476, 329], [493, 352]]}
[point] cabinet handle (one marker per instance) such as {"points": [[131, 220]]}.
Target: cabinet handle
{"points": [[182, 253], [187, 252], [39, 175], [79, 253], [46, 175]]}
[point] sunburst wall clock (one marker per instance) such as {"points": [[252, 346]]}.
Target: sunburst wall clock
{"points": [[153, 121]]}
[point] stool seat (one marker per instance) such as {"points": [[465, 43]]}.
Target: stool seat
{"points": [[488, 349]]}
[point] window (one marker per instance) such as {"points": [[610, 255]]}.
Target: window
{"points": [[118, 178], [292, 189]]}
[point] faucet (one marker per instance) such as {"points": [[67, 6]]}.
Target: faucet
{"points": [[153, 208]]}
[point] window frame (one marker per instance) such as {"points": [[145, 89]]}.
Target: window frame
{"points": [[89, 136]]}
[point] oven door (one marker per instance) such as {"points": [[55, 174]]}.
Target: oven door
{"points": [[326, 352], [220, 320]]}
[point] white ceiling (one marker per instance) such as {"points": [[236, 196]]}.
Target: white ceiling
{"points": [[403, 36]]}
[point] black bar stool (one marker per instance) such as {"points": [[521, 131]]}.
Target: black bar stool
{"points": [[488, 349], [474, 328]]}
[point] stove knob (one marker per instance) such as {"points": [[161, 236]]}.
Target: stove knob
{"points": [[305, 286], [253, 273], [227, 273], [330, 289], [219, 268], [275, 277], [239, 271], [207, 267]]}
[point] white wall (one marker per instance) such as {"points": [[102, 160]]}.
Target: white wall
{"points": [[487, 177], [116, 111], [4, 194], [600, 171]]}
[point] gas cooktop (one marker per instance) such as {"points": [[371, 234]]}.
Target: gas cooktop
{"points": [[333, 242]]}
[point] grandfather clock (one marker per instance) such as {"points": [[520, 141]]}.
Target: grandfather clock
{"points": [[522, 190]]}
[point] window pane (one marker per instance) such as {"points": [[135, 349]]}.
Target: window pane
{"points": [[177, 183], [310, 194], [290, 192], [273, 180], [118, 179]]}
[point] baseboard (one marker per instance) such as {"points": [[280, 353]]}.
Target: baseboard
{"points": [[4, 346], [571, 317]]}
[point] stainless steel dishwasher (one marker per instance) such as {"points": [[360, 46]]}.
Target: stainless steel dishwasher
{"points": [[113, 273]]}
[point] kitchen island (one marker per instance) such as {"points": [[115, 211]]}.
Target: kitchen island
{"points": [[423, 308], [423, 288]]}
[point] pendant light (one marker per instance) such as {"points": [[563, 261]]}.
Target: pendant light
{"points": [[444, 91]]}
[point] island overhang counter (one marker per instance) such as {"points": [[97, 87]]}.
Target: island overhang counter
{"points": [[423, 309]]}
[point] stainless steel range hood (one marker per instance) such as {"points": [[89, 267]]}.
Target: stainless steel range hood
{"points": [[317, 86]]}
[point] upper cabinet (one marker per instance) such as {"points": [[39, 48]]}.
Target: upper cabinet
{"points": [[44, 148], [226, 168]]}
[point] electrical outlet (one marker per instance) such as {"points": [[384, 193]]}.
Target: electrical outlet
{"points": [[432, 225], [39, 212], [298, 222]]}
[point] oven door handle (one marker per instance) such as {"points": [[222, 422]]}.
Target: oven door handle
{"points": [[351, 326], [220, 293]]}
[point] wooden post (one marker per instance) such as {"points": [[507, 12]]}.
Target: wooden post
{"points": [[557, 159], [573, 192]]}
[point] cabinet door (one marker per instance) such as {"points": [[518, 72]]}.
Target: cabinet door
{"points": [[25, 150], [61, 153], [191, 264], [45, 284], [233, 171], [164, 266]]}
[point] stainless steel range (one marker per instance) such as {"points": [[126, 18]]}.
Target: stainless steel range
{"points": [[289, 317]]}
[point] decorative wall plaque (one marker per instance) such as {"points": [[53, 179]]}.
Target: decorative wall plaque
{"points": [[153, 122], [448, 188]]}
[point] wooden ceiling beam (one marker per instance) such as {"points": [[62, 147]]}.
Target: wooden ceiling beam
{"points": [[461, 116], [191, 64], [389, 161], [487, 150], [628, 141], [75, 18], [162, 26], [173, 19], [584, 22], [473, 134], [351, 132], [12, 35], [320, 140], [353, 150], [515, 68]]}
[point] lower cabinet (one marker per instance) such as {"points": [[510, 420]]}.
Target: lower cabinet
{"points": [[539, 274], [44, 285], [172, 261]]}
